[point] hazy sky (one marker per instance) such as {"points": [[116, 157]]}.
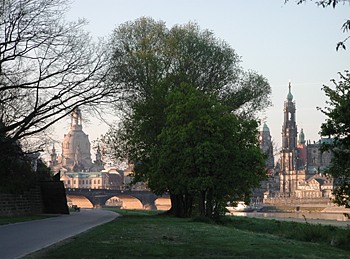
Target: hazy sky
{"points": [[283, 42]]}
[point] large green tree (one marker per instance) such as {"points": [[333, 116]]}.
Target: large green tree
{"points": [[151, 61], [206, 155], [337, 126]]}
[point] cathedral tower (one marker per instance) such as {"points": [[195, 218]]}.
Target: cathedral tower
{"points": [[289, 127], [266, 146], [289, 174]]}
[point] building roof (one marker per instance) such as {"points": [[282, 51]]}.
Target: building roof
{"points": [[84, 174]]}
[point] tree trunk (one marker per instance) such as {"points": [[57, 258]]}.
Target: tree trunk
{"points": [[202, 203], [209, 203], [181, 205]]}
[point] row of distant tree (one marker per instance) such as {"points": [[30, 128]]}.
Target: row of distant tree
{"points": [[187, 109]]}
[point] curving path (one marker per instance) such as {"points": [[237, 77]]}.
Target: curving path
{"points": [[20, 239]]}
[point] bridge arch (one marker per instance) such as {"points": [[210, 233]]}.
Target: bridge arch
{"points": [[80, 201], [163, 203], [99, 197], [125, 202]]}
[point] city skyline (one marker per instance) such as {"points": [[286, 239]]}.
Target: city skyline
{"points": [[283, 42]]}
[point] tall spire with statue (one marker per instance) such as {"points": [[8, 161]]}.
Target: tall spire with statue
{"points": [[289, 127], [289, 174]]}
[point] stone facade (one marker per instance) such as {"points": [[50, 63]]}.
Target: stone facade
{"points": [[92, 180], [75, 166], [299, 172], [76, 156]]}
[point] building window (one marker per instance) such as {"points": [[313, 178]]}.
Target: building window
{"points": [[68, 181], [75, 182], [94, 181], [83, 181], [98, 181]]}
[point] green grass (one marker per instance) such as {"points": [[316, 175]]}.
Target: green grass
{"points": [[140, 234], [322, 234], [16, 219]]}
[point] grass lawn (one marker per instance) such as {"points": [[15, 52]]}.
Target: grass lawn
{"points": [[141, 234], [16, 219]]}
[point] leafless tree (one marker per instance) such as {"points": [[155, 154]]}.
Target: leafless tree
{"points": [[48, 66]]}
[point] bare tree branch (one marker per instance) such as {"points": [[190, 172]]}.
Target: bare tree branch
{"points": [[47, 66]]}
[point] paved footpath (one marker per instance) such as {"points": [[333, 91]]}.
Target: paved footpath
{"points": [[20, 239]]}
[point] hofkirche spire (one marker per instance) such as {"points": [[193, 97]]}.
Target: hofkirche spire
{"points": [[289, 128], [290, 96], [288, 156]]}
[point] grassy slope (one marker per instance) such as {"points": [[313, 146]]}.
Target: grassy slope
{"points": [[141, 235], [15, 219]]}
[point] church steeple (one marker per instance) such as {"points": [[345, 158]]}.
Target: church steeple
{"points": [[290, 96], [53, 154], [292, 156], [98, 156], [266, 145], [76, 119], [289, 128], [301, 137]]}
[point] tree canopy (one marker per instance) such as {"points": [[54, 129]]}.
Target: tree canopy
{"points": [[337, 127], [205, 154], [170, 81]]}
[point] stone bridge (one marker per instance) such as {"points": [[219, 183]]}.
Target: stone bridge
{"points": [[98, 197]]}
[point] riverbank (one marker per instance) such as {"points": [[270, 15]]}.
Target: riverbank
{"points": [[144, 234], [323, 218]]}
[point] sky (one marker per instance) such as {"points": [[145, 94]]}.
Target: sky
{"points": [[283, 42]]}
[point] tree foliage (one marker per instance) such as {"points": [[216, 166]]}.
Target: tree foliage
{"points": [[206, 155], [17, 171], [151, 64], [337, 126]]}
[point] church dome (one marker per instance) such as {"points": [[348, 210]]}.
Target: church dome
{"points": [[76, 145]]}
